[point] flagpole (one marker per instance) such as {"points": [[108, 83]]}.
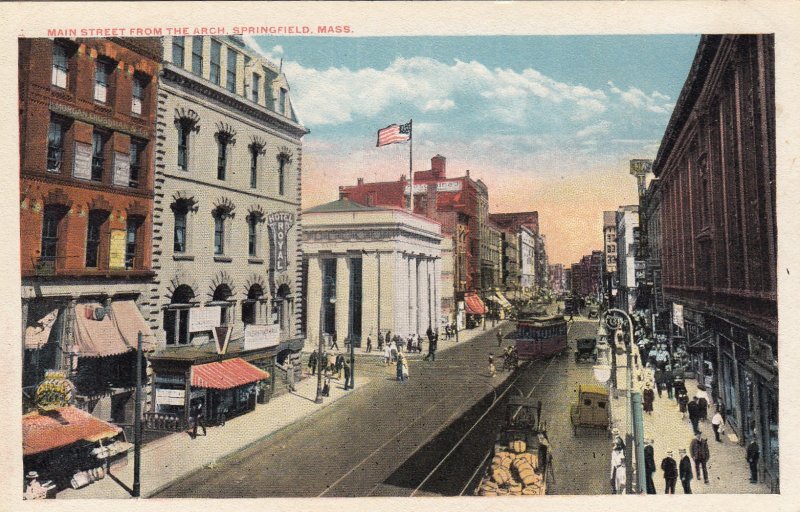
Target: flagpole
{"points": [[411, 161]]}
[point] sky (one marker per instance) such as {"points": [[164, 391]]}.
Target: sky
{"points": [[549, 123]]}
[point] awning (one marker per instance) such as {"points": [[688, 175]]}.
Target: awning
{"points": [[114, 334], [36, 336], [474, 305], [501, 299], [62, 427], [227, 374]]}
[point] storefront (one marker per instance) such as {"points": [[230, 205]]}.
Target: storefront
{"points": [[475, 309]]}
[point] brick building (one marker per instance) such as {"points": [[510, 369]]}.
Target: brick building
{"points": [[716, 164], [87, 131]]}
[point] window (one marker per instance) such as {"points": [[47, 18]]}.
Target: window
{"points": [[178, 44], [230, 73], [98, 159], [252, 236], [176, 316], [137, 96], [138, 148], [256, 91], [282, 103], [216, 48], [222, 156], [281, 175], [183, 145], [222, 295], [60, 66], [93, 227], [130, 242], [50, 221], [102, 72], [219, 233], [179, 231], [197, 55], [254, 150], [55, 145]]}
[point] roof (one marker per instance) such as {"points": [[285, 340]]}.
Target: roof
{"points": [[227, 374], [341, 205], [62, 427], [592, 388]]}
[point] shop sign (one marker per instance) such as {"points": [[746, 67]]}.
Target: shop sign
{"points": [[222, 335], [677, 314], [122, 169], [418, 189], [204, 319], [448, 186], [82, 161], [170, 396], [54, 391], [116, 251], [261, 336], [279, 224]]}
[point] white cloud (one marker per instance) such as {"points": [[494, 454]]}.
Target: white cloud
{"points": [[277, 49], [600, 128], [438, 104], [634, 97]]}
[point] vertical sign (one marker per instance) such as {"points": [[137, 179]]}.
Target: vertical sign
{"points": [[677, 314], [116, 253], [122, 169], [82, 161], [279, 224]]}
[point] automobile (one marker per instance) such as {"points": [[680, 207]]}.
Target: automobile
{"points": [[594, 312], [586, 350], [591, 410]]}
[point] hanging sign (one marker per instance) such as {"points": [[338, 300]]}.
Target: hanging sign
{"points": [[122, 169], [54, 391], [279, 224], [116, 252], [82, 161], [204, 319], [222, 335], [677, 314]]}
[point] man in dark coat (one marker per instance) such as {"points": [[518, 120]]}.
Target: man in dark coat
{"points": [[658, 376], [312, 362], [753, 454], [685, 472], [700, 454], [694, 414], [670, 469], [649, 466], [433, 340], [198, 419], [334, 341], [347, 370]]}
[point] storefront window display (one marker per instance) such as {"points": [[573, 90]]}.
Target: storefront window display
{"points": [[769, 428]]}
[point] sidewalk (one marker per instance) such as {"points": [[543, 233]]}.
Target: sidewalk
{"points": [[728, 472], [177, 455]]}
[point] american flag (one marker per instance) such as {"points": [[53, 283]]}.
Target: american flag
{"points": [[394, 133]]}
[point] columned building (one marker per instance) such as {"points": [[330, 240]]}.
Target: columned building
{"points": [[717, 166], [370, 270], [226, 248]]}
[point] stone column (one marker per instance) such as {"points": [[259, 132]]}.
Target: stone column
{"points": [[342, 298], [313, 301], [437, 287], [370, 285], [423, 310], [413, 297]]}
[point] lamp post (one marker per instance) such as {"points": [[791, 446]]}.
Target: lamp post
{"points": [[615, 319]]}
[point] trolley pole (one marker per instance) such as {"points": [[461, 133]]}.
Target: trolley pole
{"points": [[137, 422]]}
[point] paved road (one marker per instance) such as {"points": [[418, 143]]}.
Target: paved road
{"points": [[388, 438]]}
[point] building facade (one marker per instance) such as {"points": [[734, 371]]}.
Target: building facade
{"points": [[370, 270], [717, 166], [557, 279], [610, 255], [227, 249], [627, 224], [87, 136], [527, 260]]}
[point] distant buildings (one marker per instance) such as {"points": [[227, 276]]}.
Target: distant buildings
{"points": [[627, 231]]}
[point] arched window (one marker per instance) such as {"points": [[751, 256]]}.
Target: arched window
{"points": [[221, 298], [176, 316], [250, 307], [281, 175]]}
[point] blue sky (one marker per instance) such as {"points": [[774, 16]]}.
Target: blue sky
{"points": [[548, 122]]}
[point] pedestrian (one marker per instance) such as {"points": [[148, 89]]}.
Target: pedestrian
{"points": [[499, 337], [347, 371], [647, 398], [334, 341], [618, 471], [198, 419], [312, 362], [447, 332], [685, 472], [369, 343], [393, 350], [669, 380], [380, 341], [670, 469], [700, 454], [702, 401], [717, 424], [289, 374], [387, 354], [339, 366], [753, 454], [492, 369], [404, 368], [683, 402], [658, 377], [400, 344], [649, 465], [432, 346], [694, 414]]}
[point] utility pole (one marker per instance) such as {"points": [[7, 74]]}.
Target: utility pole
{"points": [[137, 422]]}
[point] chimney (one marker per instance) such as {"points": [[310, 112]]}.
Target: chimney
{"points": [[438, 164], [360, 181], [467, 173]]}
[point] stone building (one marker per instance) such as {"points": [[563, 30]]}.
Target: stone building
{"points": [[627, 227], [370, 269], [87, 135], [227, 226], [610, 255]]}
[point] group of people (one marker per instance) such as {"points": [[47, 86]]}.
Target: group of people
{"points": [[332, 365], [695, 462]]}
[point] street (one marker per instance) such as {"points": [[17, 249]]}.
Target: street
{"points": [[422, 437]]}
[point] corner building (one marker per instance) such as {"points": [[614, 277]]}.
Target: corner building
{"points": [[226, 225]]}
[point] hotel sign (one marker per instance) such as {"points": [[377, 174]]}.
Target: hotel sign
{"points": [[442, 186], [279, 224], [261, 336]]}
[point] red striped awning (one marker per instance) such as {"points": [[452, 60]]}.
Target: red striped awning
{"points": [[62, 427], [227, 374], [474, 305]]}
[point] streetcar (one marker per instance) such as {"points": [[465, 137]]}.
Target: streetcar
{"points": [[540, 335]]}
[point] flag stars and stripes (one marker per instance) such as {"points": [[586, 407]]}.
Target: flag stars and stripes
{"points": [[394, 133]]}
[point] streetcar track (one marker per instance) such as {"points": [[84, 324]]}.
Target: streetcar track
{"points": [[497, 400], [474, 474]]}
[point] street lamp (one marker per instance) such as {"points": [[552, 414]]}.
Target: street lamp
{"points": [[616, 319]]}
